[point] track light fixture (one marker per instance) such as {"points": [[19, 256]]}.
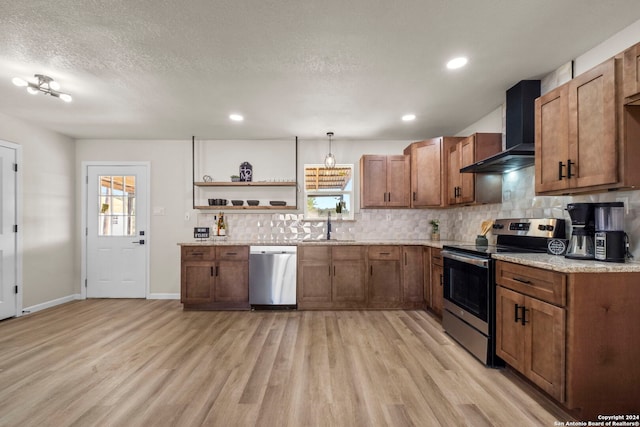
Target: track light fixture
{"points": [[45, 84], [330, 159]]}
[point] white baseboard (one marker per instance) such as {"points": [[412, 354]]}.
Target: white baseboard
{"points": [[163, 296], [49, 304]]}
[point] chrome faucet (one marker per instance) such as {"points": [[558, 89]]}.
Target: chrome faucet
{"points": [[329, 226]]}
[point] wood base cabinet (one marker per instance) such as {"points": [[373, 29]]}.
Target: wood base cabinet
{"points": [[214, 278], [531, 338], [331, 277], [356, 277], [412, 276], [384, 279], [437, 281], [573, 335]]}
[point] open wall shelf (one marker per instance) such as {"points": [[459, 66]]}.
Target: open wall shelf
{"points": [[201, 190]]}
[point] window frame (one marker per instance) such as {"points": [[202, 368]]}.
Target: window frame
{"points": [[350, 214]]}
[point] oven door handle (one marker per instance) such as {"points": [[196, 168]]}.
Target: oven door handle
{"points": [[479, 262]]}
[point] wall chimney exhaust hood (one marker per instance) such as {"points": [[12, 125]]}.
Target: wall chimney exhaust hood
{"points": [[520, 132]]}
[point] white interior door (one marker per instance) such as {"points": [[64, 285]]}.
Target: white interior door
{"points": [[117, 240], [8, 235]]}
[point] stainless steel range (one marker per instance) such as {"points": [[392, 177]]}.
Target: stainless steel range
{"points": [[469, 281]]}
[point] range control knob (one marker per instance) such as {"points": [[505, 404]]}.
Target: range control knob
{"points": [[542, 227], [549, 227], [498, 226]]}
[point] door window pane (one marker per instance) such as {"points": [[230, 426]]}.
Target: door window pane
{"points": [[116, 212]]}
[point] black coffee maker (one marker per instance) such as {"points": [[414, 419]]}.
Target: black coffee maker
{"points": [[581, 244], [611, 242]]}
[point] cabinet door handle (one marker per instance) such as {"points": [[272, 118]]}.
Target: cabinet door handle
{"points": [[216, 271], [389, 193], [441, 280], [569, 163], [524, 315], [560, 175], [329, 271], [405, 258], [371, 270], [211, 271], [516, 318], [525, 281], [414, 196], [334, 270], [231, 253], [384, 253]]}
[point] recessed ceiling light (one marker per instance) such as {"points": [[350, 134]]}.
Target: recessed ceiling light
{"points": [[457, 63], [408, 117], [236, 117]]}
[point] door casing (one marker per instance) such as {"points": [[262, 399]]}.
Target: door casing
{"points": [[83, 229]]}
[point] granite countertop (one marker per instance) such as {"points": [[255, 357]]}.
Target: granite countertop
{"points": [[228, 242], [566, 265]]}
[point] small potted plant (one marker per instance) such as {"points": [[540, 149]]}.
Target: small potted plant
{"points": [[235, 178], [435, 230], [339, 206]]}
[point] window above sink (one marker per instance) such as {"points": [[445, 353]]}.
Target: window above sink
{"points": [[328, 190]]}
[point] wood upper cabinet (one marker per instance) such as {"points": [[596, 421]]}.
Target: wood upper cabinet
{"points": [[459, 154], [428, 179], [585, 139], [631, 73], [552, 140], [214, 277], [412, 275], [384, 181]]}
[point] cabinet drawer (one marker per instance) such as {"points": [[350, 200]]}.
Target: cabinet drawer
{"points": [[230, 253], [384, 252], [347, 253], [545, 285], [314, 253], [436, 256], [198, 253]]}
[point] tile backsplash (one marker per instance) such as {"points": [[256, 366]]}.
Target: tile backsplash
{"points": [[463, 223]]}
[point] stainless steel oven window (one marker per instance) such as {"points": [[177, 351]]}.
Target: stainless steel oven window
{"points": [[467, 285]]}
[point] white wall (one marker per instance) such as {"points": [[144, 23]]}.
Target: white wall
{"points": [[50, 267]]}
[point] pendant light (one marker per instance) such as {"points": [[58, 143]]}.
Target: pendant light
{"points": [[329, 159]]}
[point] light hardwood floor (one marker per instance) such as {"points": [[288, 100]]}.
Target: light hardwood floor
{"points": [[149, 363]]}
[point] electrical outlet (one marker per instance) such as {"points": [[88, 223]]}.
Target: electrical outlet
{"points": [[187, 216]]}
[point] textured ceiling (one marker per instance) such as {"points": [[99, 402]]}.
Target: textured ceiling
{"points": [[168, 70]]}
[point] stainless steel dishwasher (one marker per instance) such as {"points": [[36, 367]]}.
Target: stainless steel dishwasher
{"points": [[272, 277]]}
